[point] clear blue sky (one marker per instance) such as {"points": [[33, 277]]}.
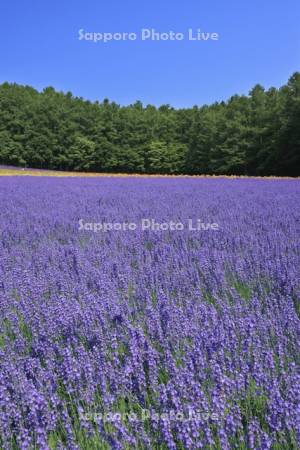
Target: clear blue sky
{"points": [[259, 43]]}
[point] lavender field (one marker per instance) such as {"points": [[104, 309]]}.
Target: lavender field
{"points": [[144, 338]]}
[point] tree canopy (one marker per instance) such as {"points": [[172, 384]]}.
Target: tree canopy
{"points": [[258, 134]]}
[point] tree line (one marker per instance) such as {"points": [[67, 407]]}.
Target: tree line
{"points": [[257, 134]]}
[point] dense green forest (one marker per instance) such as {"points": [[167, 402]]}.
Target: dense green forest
{"points": [[258, 134]]}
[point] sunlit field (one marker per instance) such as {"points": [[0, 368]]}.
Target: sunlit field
{"points": [[174, 326], [60, 173]]}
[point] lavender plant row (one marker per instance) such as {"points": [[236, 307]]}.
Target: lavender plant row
{"points": [[149, 339]]}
